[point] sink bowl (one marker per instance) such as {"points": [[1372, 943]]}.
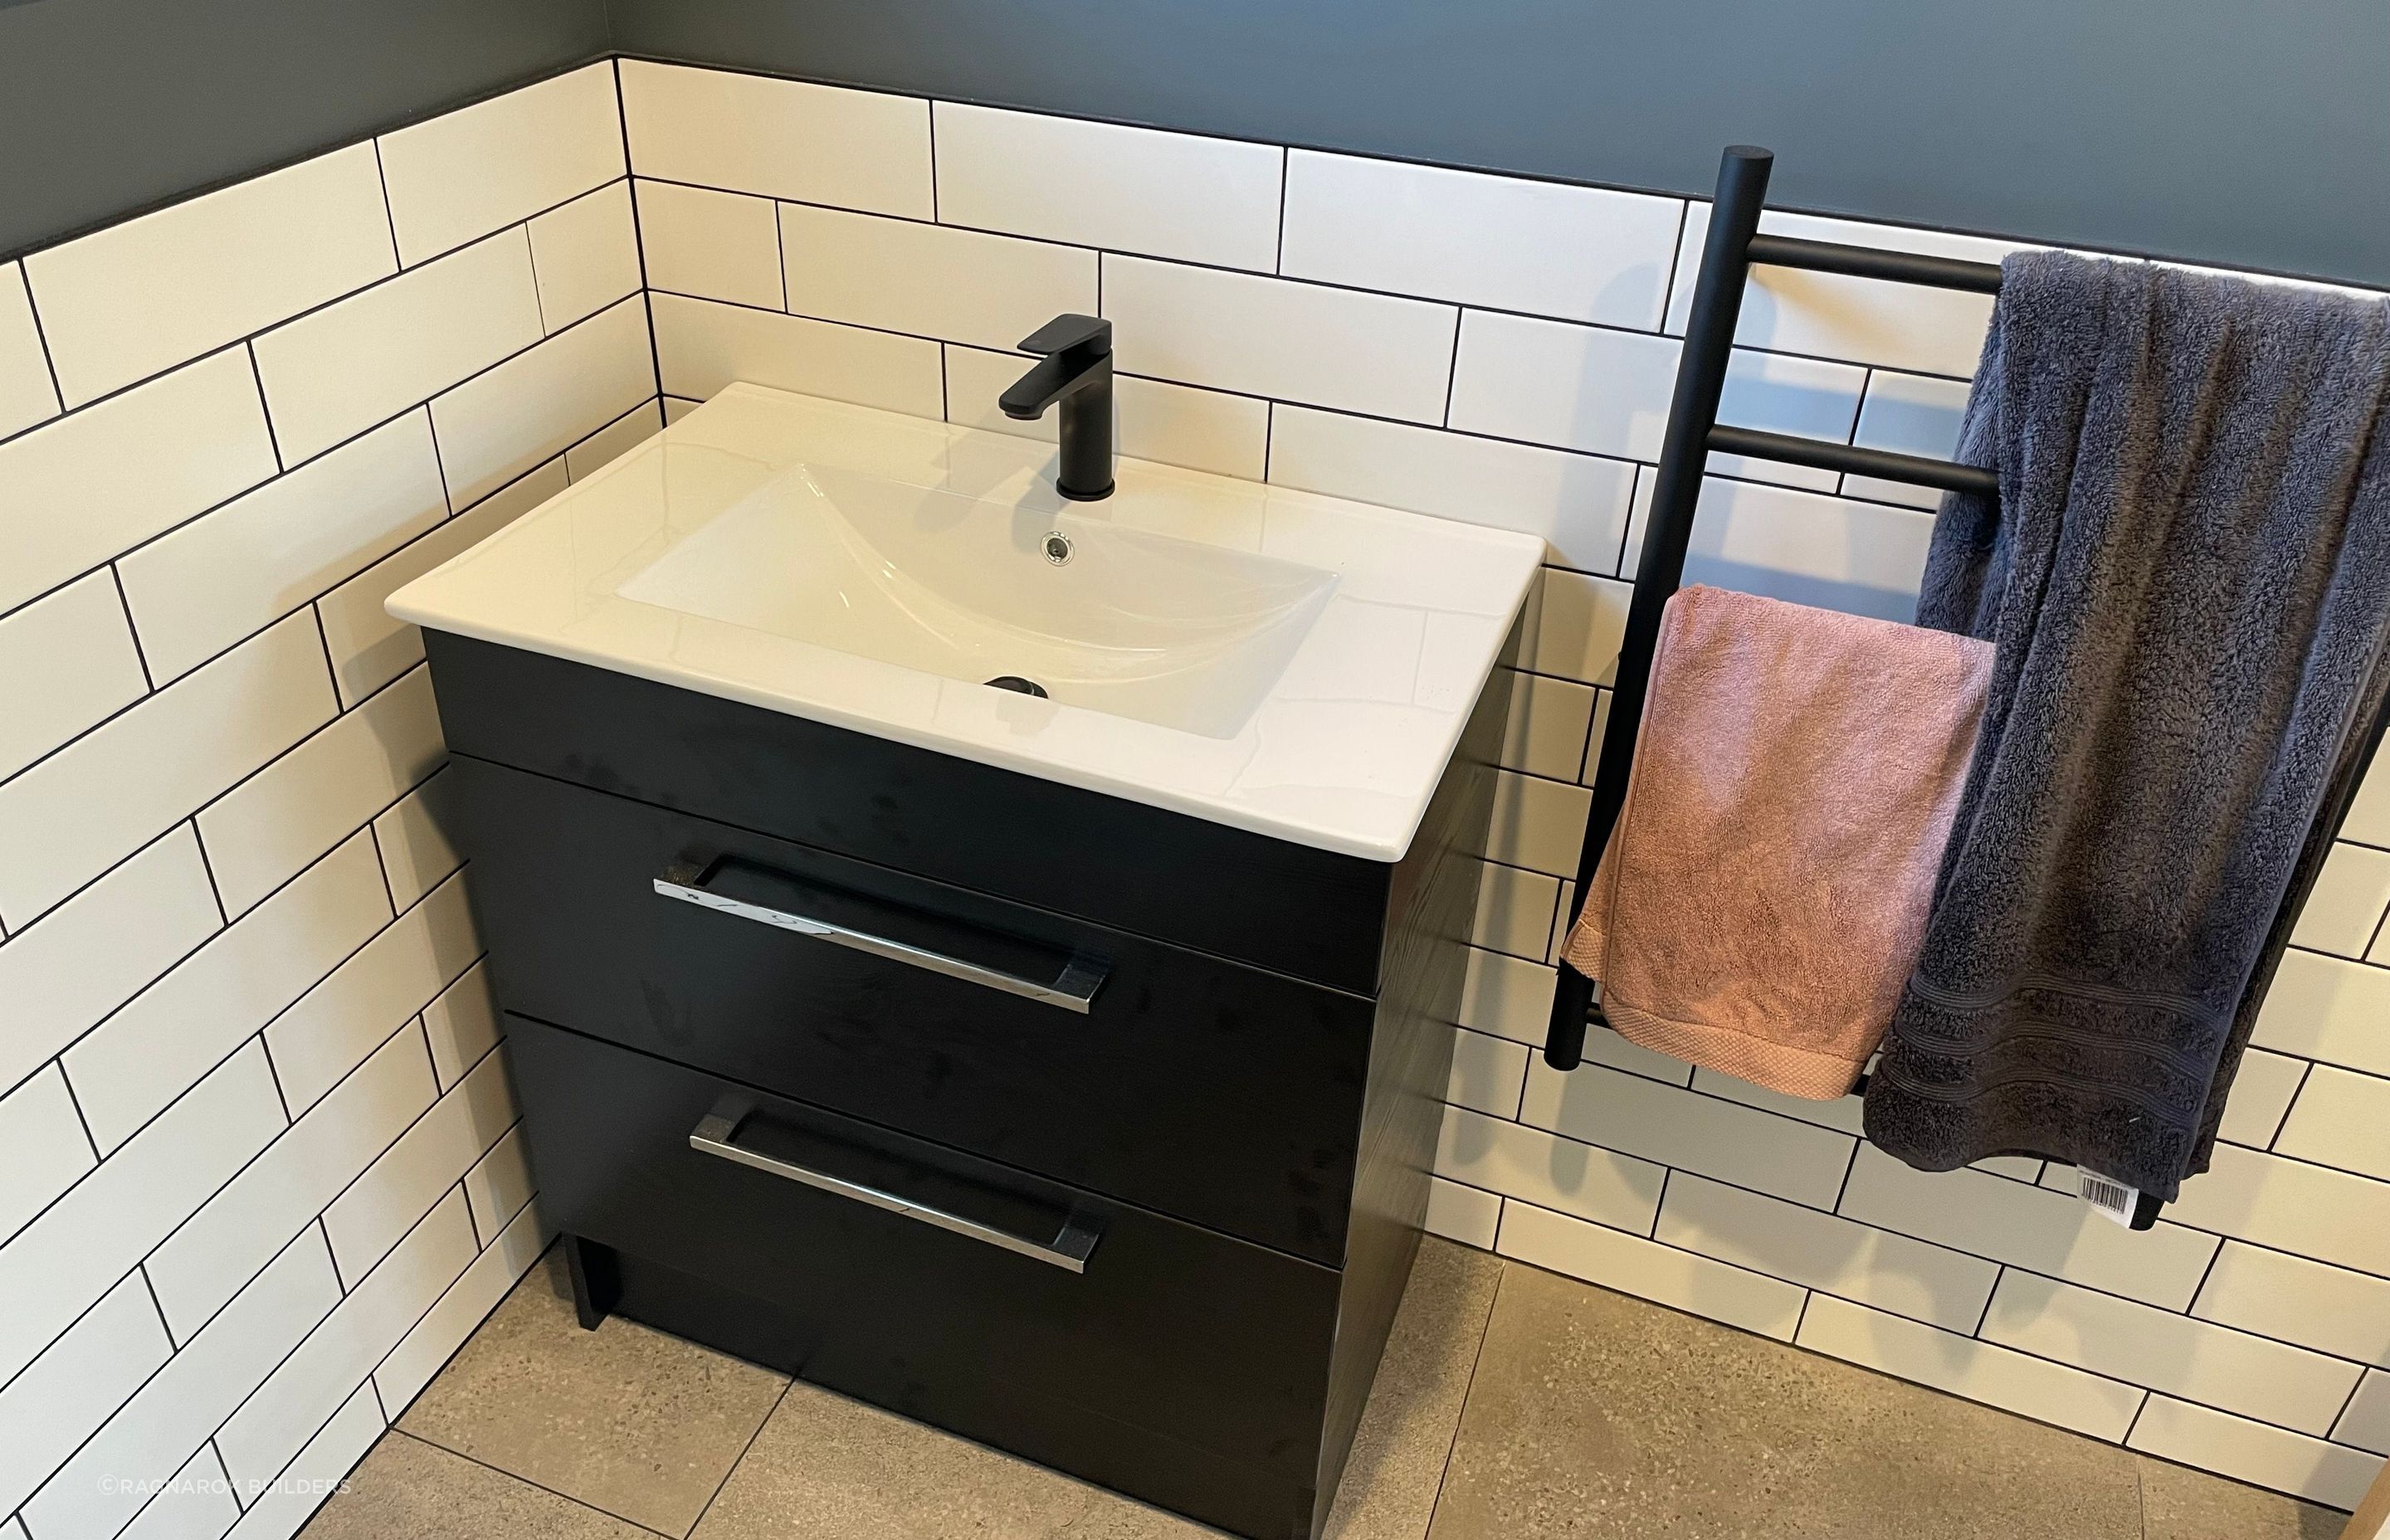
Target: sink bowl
{"points": [[1120, 620], [1278, 661]]}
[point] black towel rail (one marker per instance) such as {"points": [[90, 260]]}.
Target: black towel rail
{"points": [[1733, 248]]}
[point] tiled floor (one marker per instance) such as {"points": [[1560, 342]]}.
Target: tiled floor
{"points": [[1512, 1403]]}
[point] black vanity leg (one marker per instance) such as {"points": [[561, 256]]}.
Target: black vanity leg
{"points": [[596, 1285]]}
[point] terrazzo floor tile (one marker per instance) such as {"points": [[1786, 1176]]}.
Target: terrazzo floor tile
{"points": [[1396, 1467], [409, 1490], [1596, 1415], [2179, 1503], [627, 1420]]}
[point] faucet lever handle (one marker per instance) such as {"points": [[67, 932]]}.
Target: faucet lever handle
{"points": [[1068, 332]]}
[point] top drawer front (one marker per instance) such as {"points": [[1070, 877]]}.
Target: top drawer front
{"points": [[1278, 905], [1213, 1091]]}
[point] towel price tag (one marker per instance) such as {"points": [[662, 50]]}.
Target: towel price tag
{"points": [[2108, 1196]]}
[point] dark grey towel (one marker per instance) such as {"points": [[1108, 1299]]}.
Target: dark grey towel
{"points": [[2188, 579]]}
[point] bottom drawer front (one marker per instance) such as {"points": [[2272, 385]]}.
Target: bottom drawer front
{"points": [[927, 1279]]}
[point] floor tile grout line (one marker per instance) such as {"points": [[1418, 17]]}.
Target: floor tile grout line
{"points": [[431, 1443], [787, 1384], [1452, 1446]]}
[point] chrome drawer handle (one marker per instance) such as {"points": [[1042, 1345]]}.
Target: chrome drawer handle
{"points": [[716, 1134], [1073, 989]]}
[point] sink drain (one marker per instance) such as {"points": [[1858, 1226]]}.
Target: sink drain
{"points": [[1018, 686]]}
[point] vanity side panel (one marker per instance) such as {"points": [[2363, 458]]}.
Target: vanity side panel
{"points": [[1310, 913], [1431, 908]]}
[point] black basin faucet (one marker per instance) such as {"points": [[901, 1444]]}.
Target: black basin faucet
{"points": [[1077, 372]]}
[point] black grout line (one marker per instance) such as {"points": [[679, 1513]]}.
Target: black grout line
{"points": [[388, 214], [215, 891], [744, 1449], [1984, 1316], [1502, 1271], [1285, 172], [930, 116], [140, 654], [49, 359], [525, 1481], [639, 235]]}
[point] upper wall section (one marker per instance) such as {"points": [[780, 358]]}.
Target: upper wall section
{"points": [[2209, 130], [111, 105]]}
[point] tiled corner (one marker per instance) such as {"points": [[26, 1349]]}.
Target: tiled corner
{"points": [[704, 346], [749, 133], [502, 423], [585, 255], [711, 245], [460, 177]]}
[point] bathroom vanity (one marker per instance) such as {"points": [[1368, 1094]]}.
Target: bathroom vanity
{"points": [[1061, 1070]]}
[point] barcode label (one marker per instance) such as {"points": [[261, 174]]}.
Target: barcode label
{"points": [[2108, 1196]]}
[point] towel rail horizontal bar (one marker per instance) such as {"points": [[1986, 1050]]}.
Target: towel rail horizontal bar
{"points": [[1915, 470], [1866, 261]]}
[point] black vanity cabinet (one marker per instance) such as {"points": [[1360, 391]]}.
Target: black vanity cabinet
{"points": [[1091, 1131]]}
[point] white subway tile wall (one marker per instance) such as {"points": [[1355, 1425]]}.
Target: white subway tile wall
{"points": [[250, 1116], [330, 1165]]}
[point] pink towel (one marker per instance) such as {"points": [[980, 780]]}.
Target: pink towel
{"points": [[1764, 893]]}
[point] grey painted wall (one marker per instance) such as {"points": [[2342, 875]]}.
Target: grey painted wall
{"points": [[2227, 131], [108, 105]]}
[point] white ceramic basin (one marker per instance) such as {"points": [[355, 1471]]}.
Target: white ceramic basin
{"points": [[1137, 624], [1294, 664]]}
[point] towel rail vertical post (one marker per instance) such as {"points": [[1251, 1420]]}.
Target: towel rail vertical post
{"points": [[1700, 375]]}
